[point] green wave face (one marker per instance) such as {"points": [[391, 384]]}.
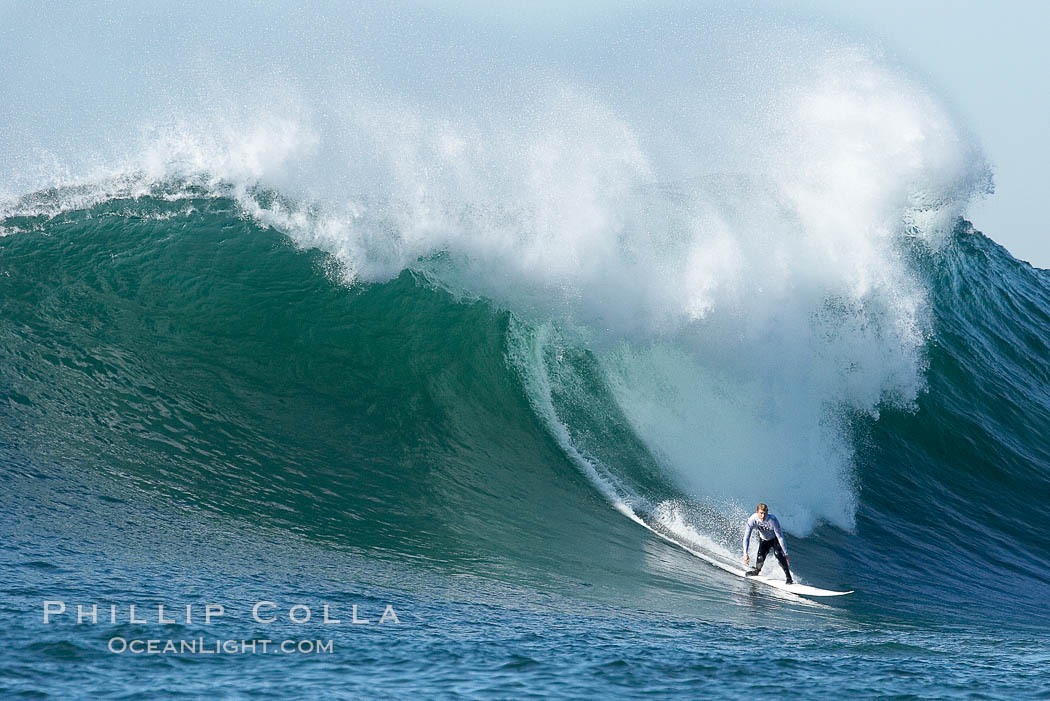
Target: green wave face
{"points": [[190, 355], [178, 352]]}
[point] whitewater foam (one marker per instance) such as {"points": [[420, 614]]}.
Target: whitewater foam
{"points": [[716, 212]]}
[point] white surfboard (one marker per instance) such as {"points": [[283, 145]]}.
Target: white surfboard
{"points": [[796, 588]]}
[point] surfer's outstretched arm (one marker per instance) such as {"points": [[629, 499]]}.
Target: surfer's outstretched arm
{"points": [[747, 537], [780, 536]]}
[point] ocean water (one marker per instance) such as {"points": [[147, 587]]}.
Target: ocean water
{"points": [[424, 320]]}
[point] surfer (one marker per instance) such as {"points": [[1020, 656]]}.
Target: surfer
{"points": [[769, 537]]}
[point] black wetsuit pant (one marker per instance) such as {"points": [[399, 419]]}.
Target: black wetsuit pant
{"points": [[763, 550]]}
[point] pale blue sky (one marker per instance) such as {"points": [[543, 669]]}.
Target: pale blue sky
{"points": [[988, 59], [991, 62]]}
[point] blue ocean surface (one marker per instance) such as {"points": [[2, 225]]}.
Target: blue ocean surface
{"points": [[370, 353]]}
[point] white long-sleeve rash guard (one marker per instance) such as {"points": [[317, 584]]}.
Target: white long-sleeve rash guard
{"points": [[768, 529]]}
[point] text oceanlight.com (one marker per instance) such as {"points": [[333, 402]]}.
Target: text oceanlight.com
{"points": [[201, 646], [262, 613]]}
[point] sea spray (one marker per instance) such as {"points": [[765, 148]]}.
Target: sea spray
{"points": [[715, 213]]}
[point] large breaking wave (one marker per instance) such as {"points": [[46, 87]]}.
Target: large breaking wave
{"points": [[710, 245]]}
